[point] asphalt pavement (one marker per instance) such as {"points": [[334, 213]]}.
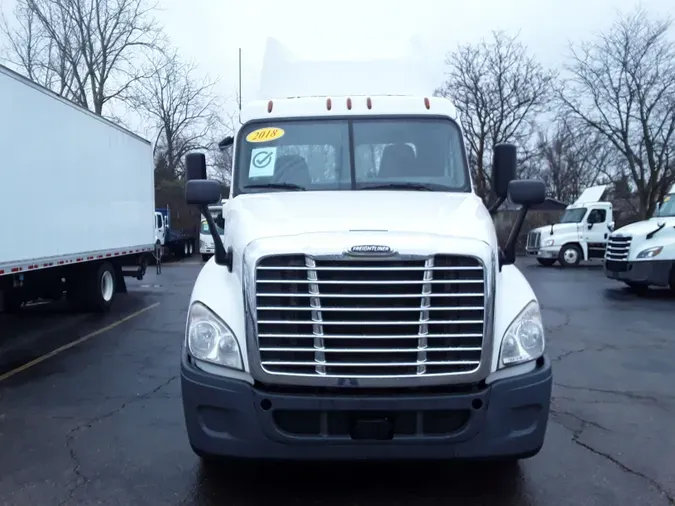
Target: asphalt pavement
{"points": [[90, 411]]}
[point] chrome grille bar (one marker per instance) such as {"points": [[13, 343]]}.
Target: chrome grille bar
{"points": [[618, 247], [346, 317]]}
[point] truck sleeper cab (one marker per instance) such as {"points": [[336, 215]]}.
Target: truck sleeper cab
{"points": [[581, 233], [642, 254], [359, 305]]}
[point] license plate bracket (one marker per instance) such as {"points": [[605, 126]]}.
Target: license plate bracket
{"points": [[380, 428]]}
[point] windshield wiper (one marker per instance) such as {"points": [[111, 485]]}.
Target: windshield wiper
{"points": [[401, 186], [280, 186]]}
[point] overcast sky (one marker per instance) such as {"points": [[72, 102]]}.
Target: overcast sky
{"points": [[211, 31]]}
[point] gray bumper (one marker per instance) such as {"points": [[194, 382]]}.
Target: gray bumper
{"points": [[651, 272], [232, 418]]}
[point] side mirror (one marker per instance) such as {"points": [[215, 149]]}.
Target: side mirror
{"points": [[526, 192], [220, 221], [202, 192], [503, 169], [590, 225], [610, 226], [225, 143], [195, 166]]}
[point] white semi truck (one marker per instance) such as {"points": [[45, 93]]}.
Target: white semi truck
{"points": [[359, 305], [581, 233], [95, 183], [642, 254]]}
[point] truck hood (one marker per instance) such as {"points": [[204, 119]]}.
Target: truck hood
{"points": [[255, 216], [642, 228], [558, 228]]}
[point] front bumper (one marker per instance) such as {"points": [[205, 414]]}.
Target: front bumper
{"points": [[206, 250], [547, 252], [651, 272], [233, 418]]}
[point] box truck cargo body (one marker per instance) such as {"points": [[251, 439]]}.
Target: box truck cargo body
{"points": [[76, 199]]}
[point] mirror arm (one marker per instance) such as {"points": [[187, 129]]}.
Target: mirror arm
{"points": [[221, 256], [496, 204], [508, 254]]}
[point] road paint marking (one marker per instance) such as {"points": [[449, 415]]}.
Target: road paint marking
{"points": [[72, 344]]}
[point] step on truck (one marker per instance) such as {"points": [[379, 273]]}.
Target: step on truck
{"points": [[359, 305], [642, 254], [88, 181], [581, 234]]}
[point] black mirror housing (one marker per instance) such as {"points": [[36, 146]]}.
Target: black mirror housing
{"points": [[526, 192], [503, 169], [195, 166], [202, 192]]}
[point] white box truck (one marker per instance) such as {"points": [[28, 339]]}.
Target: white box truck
{"points": [[359, 305], [581, 234], [642, 254], [76, 200]]}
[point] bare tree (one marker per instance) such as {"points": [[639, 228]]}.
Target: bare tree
{"points": [[499, 90], [622, 85], [573, 159], [86, 50], [182, 107]]}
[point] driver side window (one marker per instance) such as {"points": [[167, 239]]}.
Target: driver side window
{"points": [[597, 216]]}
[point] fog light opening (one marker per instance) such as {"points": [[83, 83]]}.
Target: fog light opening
{"points": [[476, 404], [266, 404]]}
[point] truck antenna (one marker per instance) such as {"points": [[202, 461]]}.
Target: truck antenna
{"points": [[239, 95]]}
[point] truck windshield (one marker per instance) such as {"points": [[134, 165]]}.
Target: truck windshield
{"points": [[667, 207], [573, 215], [351, 154]]}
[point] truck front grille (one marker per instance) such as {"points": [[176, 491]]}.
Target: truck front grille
{"points": [[618, 247], [533, 240], [370, 318]]}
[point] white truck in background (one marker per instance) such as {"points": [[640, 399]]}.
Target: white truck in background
{"points": [[642, 254], [95, 183], [206, 246], [581, 233], [357, 307]]}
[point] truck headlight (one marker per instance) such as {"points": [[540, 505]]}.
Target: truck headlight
{"points": [[650, 252], [549, 242], [209, 339], [524, 339]]}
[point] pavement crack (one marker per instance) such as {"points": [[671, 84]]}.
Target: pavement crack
{"points": [[576, 435], [81, 478], [660, 488], [621, 393]]}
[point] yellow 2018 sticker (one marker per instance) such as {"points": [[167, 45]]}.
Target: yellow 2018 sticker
{"points": [[265, 134]]}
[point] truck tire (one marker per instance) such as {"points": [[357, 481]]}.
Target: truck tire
{"points": [[546, 262], [186, 249], [100, 287], [191, 248], [570, 255]]}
